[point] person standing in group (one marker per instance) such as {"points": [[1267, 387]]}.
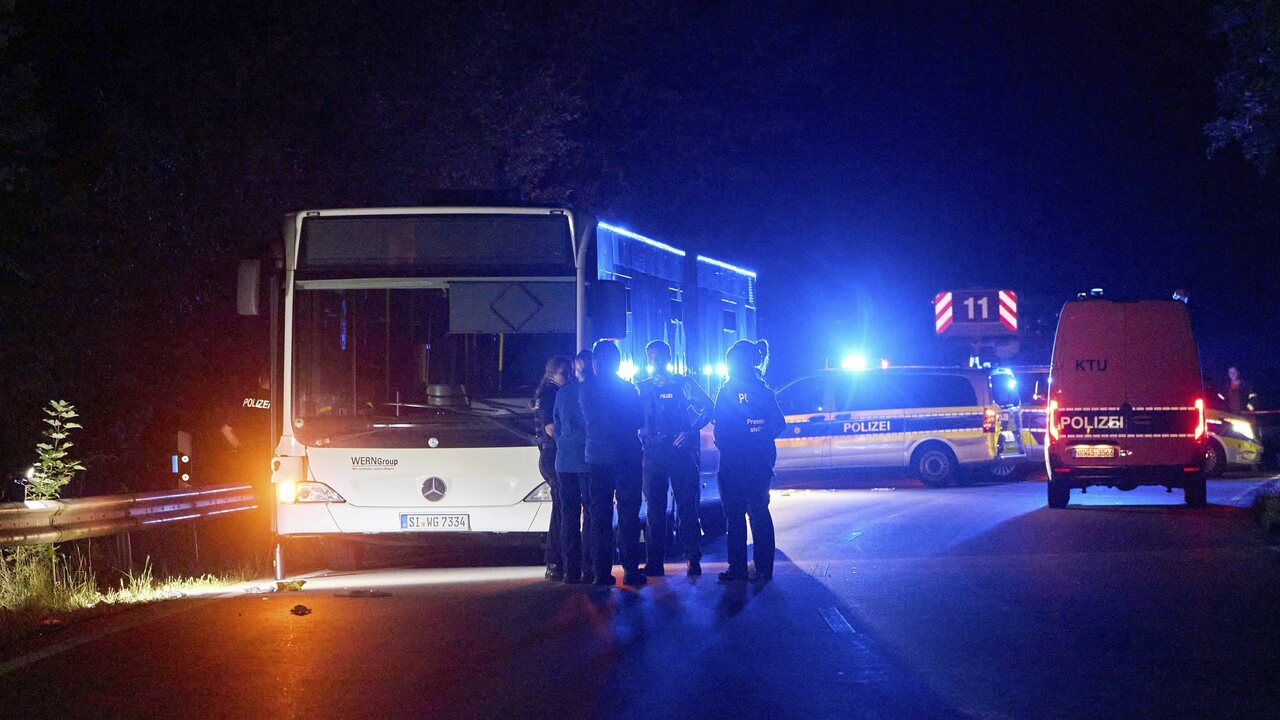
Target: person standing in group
{"points": [[675, 409], [570, 434], [1239, 396], [611, 408], [544, 402], [747, 419]]}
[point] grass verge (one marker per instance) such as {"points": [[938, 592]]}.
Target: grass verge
{"points": [[1266, 506], [40, 593]]}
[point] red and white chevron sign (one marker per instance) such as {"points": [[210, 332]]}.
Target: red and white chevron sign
{"points": [[942, 313], [1009, 310], [975, 313]]}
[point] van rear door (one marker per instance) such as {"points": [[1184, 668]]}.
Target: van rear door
{"points": [[1162, 382]]}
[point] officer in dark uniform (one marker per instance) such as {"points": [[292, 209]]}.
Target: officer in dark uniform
{"points": [[544, 402], [747, 419], [675, 409], [611, 409], [246, 427], [569, 430]]}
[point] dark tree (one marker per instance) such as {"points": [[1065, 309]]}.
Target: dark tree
{"points": [[1249, 91]]}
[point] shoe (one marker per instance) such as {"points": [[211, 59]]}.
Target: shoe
{"points": [[554, 573], [760, 579], [732, 576], [606, 581], [654, 571], [634, 578], [694, 569]]}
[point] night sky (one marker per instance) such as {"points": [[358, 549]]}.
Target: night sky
{"points": [[860, 159]]}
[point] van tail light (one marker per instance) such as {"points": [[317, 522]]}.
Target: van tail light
{"points": [[1051, 421], [1200, 426], [989, 421]]}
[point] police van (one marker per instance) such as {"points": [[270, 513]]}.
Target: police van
{"points": [[1126, 402], [934, 420]]}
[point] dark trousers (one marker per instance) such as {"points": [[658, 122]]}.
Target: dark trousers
{"points": [[677, 468], [744, 491], [604, 481], [575, 523], [547, 466]]}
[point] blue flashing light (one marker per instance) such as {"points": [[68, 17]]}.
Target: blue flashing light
{"points": [[647, 241], [722, 370], [1013, 384], [854, 362], [649, 369], [726, 266], [175, 464], [627, 370], [707, 370]]}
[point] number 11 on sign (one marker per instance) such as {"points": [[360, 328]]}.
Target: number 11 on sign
{"points": [[982, 302]]}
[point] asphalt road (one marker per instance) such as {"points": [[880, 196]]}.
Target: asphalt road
{"points": [[891, 602]]}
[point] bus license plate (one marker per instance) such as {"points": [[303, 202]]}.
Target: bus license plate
{"points": [[435, 523], [1093, 451]]}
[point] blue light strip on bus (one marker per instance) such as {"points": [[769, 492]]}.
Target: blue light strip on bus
{"points": [[726, 266], [643, 239]]}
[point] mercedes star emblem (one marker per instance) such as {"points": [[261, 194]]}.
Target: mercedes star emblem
{"points": [[434, 488]]}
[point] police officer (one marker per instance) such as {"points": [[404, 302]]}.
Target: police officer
{"points": [[245, 427], [747, 419], [675, 409], [544, 402], [570, 434], [611, 409]]}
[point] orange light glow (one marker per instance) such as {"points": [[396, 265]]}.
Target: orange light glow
{"points": [[1051, 420]]}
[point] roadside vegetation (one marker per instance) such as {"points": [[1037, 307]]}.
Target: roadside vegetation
{"points": [[41, 587], [1267, 506]]}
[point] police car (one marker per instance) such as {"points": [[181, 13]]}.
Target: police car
{"points": [[1233, 443], [933, 420]]}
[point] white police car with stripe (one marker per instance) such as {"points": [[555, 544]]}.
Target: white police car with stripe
{"points": [[933, 420]]}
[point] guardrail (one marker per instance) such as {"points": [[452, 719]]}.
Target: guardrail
{"points": [[36, 522]]}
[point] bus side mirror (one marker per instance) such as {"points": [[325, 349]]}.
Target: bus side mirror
{"points": [[607, 309], [249, 287]]}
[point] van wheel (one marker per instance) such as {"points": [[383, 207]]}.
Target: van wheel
{"points": [[343, 555], [935, 465], [1059, 493], [1195, 493], [1215, 459]]}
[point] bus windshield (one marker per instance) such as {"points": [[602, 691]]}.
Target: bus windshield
{"points": [[379, 368]]}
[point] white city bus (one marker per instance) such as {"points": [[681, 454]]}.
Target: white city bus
{"points": [[407, 342]]}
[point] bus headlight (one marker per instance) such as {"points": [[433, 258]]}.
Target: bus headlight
{"points": [[1242, 428], [542, 493]]}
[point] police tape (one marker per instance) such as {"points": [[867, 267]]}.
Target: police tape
{"points": [[37, 522]]}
